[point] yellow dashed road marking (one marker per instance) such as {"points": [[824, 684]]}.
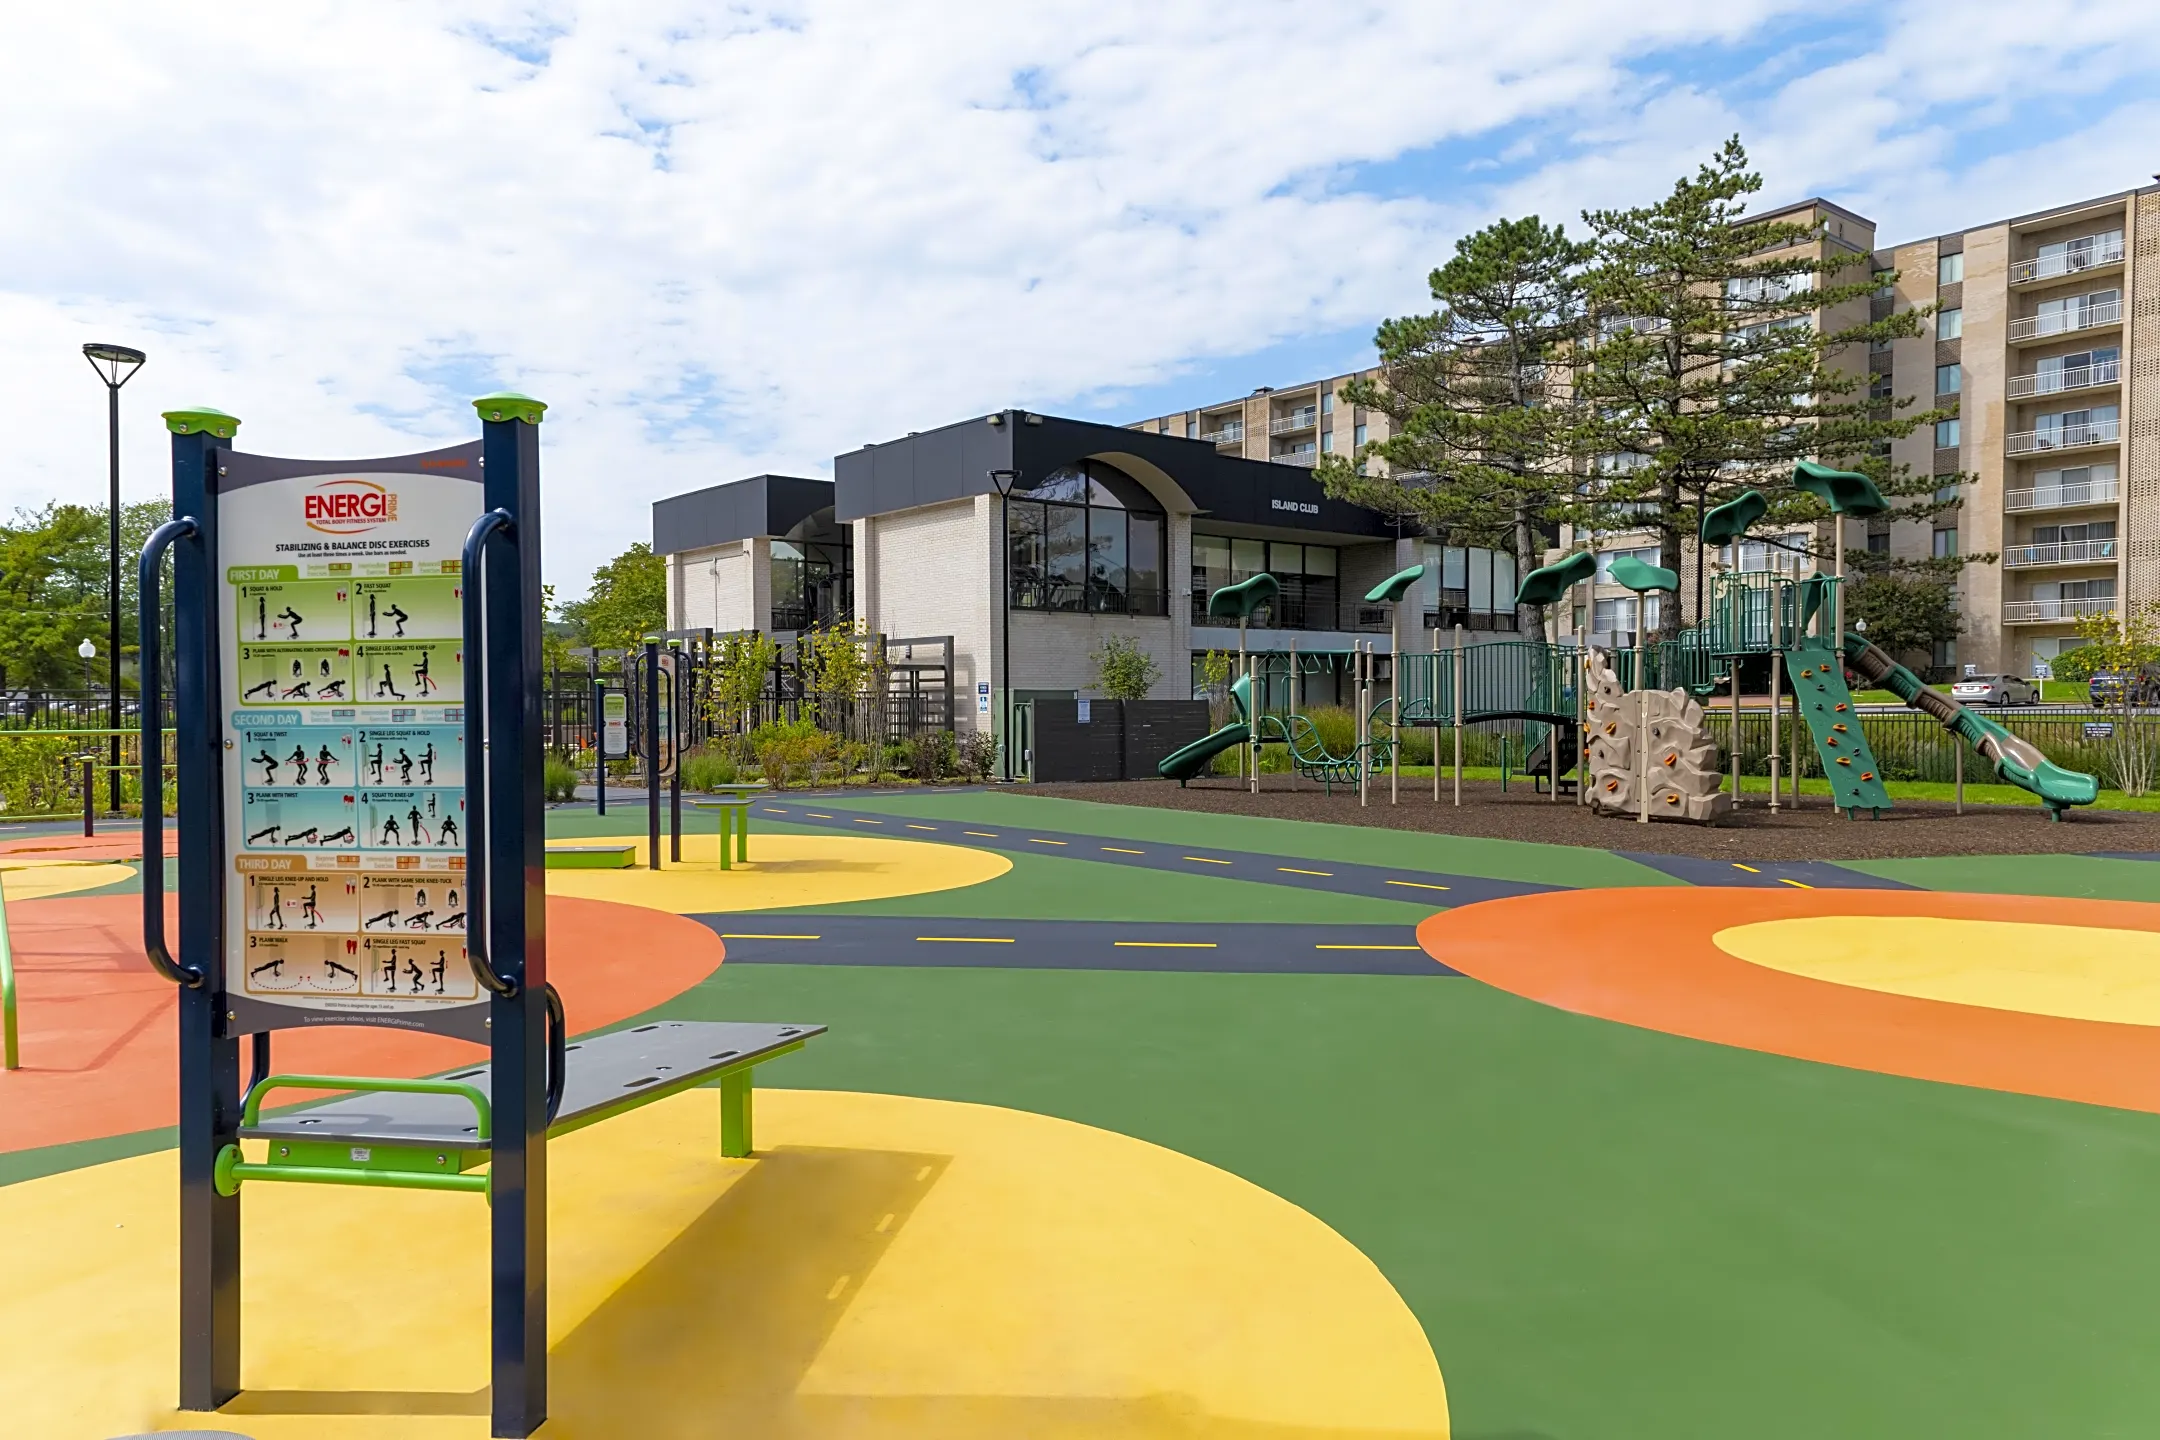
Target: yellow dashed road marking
{"points": [[1416, 885]]}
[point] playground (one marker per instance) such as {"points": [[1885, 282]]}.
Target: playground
{"points": [[982, 1112]]}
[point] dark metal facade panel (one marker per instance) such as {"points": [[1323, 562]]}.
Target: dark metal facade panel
{"points": [[761, 505], [955, 462]]}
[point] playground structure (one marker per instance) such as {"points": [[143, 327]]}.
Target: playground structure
{"points": [[1794, 625], [455, 553]]}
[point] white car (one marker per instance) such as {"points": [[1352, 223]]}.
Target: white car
{"points": [[1995, 690]]}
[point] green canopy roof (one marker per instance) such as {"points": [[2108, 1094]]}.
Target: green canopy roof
{"points": [[1846, 492], [1731, 520], [1543, 587], [1237, 602], [1393, 588], [1640, 576]]}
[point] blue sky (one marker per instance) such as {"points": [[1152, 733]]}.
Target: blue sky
{"points": [[721, 242]]}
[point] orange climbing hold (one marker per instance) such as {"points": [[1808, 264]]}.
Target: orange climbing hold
{"points": [[1841, 707], [1844, 759], [1867, 774]]}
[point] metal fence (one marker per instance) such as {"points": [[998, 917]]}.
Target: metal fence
{"points": [[2122, 750]]}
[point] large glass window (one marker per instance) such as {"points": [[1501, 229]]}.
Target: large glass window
{"points": [[1304, 573], [812, 574], [1089, 538]]}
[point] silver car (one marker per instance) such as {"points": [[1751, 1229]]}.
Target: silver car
{"points": [[1995, 690]]}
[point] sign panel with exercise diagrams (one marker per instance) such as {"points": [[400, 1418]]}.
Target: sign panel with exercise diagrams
{"points": [[343, 675]]}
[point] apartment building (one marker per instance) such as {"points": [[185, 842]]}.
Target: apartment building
{"points": [[2046, 340]]}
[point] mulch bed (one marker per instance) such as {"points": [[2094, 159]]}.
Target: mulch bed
{"points": [[1914, 829]]}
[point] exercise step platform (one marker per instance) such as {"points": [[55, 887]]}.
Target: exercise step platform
{"points": [[424, 1134], [591, 857]]}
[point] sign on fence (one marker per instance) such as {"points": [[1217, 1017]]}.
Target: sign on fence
{"points": [[2099, 730], [614, 725]]}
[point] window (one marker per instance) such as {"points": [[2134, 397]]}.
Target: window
{"points": [[1945, 544], [1305, 573], [1162, 427], [1327, 441], [1615, 618], [2075, 312], [1884, 286], [1192, 429], [1327, 402], [1880, 386], [1946, 434], [1087, 537], [1878, 542], [1949, 324], [1358, 436], [1949, 379], [1648, 554], [1950, 269]]}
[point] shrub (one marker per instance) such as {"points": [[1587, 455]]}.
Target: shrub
{"points": [[706, 767], [2075, 665], [894, 757], [978, 755], [558, 780], [930, 755], [1123, 670]]}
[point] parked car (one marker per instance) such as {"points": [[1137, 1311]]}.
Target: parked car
{"points": [[2123, 687], [1995, 690]]}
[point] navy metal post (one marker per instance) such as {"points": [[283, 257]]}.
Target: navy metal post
{"points": [[511, 753], [599, 739], [652, 754], [209, 1057]]}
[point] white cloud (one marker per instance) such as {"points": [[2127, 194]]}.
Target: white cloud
{"points": [[725, 240]]}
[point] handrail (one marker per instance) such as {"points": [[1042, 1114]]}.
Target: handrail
{"points": [[153, 753], [487, 527], [251, 1109], [558, 1051]]}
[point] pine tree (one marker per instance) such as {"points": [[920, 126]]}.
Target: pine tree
{"points": [[1710, 371], [1480, 434]]}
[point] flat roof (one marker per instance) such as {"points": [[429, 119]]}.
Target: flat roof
{"points": [[754, 507]]}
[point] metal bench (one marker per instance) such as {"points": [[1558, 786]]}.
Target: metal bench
{"points": [[427, 1134]]}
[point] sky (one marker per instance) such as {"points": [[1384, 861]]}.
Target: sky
{"points": [[722, 239]]}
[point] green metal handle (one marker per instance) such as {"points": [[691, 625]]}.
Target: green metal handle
{"points": [[232, 1169], [251, 1112]]}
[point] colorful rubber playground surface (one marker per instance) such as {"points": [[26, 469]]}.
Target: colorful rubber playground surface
{"points": [[1159, 1123]]}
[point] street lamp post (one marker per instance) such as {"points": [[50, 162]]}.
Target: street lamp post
{"points": [[1005, 480], [115, 365]]}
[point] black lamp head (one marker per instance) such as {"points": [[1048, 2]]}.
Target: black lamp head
{"points": [[115, 364]]}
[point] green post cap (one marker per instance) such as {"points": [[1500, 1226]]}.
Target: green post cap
{"points": [[1237, 602], [1846, 492], [1731, 520], [1639, 575], [1543, 587], [1394, 587], [202, 419], [509, 405]]}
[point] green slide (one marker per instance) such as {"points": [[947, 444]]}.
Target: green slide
{"points": [[1187, 761], [2017, 761], [1818, 683]]}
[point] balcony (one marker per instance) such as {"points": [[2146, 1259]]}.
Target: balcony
{"points": [[2064, 497], [1228, 435], [1305, 458], [1089, 597], [2100, 315], [2054, 612], [1295, 421], [2060, 552], [2063, 437], [2092, 253], [2066, 380]]}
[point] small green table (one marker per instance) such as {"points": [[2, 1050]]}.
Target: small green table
{"points": [[733, 802]]}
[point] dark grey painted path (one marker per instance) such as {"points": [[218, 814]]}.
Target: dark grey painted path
{"points": [[1763, 874], [772, 937]]}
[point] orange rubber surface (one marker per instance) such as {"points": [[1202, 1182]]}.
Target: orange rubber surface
{"points": [[99, 1043], [120, 844], [1645, 957]]}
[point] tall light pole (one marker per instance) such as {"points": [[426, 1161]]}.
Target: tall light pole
{"points": [[1005, 480], [115, 365]]}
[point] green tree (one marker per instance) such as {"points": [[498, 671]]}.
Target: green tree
{"points": [[1481, 436], [53, 577], [1904, 613], [1709, 371], [627, 601], [1123, 670]]}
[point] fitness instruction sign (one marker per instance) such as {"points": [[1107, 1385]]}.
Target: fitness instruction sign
{"points": [[341, 609]]}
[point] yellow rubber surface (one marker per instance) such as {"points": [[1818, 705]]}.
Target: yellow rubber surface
{"points": [[783, 870], [889, 1267], [2078, 972], [36, 879]]}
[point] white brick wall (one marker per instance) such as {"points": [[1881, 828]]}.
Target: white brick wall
{"points": [[933, 571], [723, 586]]}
